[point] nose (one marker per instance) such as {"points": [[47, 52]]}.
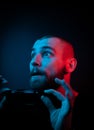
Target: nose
{"points": [[36, 60]]}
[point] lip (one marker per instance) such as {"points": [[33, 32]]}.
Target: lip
{"points": [[36, 74], [36, 77]]}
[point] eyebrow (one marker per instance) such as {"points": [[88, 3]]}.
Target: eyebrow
{"points": [[45, 47]]}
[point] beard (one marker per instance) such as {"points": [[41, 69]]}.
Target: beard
{"points": [[39, 83], [40, 80]]}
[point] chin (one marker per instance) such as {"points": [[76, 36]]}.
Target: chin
{"points": [[37, 86]]}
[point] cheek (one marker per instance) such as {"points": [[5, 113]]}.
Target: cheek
{"points": [[53, 67], [30, 67]]}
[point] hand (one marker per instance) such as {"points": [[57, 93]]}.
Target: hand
{"points": [[57, 115], [3, 97], [3, 80]]}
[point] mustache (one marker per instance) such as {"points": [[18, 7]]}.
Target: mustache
{"points": [[36, 71]]}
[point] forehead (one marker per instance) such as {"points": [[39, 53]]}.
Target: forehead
{"points": [[54, 43]]}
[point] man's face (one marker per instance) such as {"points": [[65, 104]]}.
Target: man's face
{"points": [[46, 63]]}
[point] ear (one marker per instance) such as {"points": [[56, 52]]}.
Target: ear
{"points": [[71, 65]]}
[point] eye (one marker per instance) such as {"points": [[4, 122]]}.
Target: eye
{"points": [[32, 55], [47, 54]]}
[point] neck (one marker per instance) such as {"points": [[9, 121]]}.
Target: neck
{"points": [[67, 78]]}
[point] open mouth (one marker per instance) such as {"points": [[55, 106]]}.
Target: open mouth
{"points": [[36, 75]]}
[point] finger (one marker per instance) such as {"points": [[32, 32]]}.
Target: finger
{"points": [[65, 106], [48, 103], [57, 94], [3, 80], [2, 101], [67, 88], [2, 90]]}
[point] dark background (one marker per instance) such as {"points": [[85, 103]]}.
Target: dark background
{"points": [[22, 24]]}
